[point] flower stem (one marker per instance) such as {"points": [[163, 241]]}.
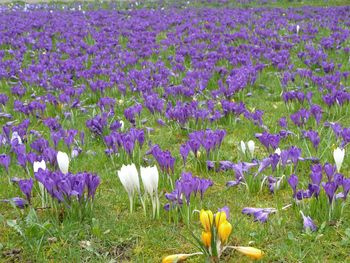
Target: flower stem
{"points": [[131, 203]]}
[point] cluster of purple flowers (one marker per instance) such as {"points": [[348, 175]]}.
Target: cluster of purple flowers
{"points": [[26, 186], [259, 214], [186, 186], [339, 132], [165, 160], [66, 188], [127, 140], [269, 140], [208, 139], [334, 181]]}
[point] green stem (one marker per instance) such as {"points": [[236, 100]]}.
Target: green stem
{"points": [[131, 204]]}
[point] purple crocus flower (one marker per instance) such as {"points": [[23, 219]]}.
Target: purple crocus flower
{"points": [[269, 140], [313, 190], [185, 187], [308, 223], [294, 154], [184, 151], [40, 145], [346, 189], [338, 179], [274, 183], [303, 194], [210, 165], [313, 137], [260, 214], [234, 182], [293, 182], [316, 174], [284, 157], [329, 170], [92, 182], [283, 122], [56, 137], [69, 137], [5, 161], [204, 184], [263, 165], [330, 188], [19, 202], [316, 111], [26, 187], [225, 209]]}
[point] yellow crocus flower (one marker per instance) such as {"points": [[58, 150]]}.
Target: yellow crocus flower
{"points": [[220, 217], [206, 238], [251, 252], [206, 218], [224, 230], [175, 258], [178, 257]]}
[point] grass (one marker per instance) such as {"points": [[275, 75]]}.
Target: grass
{"points": [[111, 234]]}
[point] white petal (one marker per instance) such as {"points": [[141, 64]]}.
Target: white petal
{"points": [[38, 165], [63, 162], [251, 147], [146, 176], [243, 147], [134, 176], [338, 155]]}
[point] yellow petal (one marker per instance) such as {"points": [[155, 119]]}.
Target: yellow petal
{"points": [[220, 217], [206, 218], [251, 252], [206, 238], [224, 231], [175, 258]]}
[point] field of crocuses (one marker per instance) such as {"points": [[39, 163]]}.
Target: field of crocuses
{"points": [[171, 134]]}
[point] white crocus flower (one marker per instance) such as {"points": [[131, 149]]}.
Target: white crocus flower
{"points": [[129, 178], [39, 165], [338, 155], [150, 178], [251, 147], [63, 162], [298, 28], [243, 147]]}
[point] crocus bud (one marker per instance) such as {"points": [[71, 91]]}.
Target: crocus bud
{"points": [[298, 28], [338, 155], [251, 252], [251, 147], [63, 162], [206, 218], [206, 238], [243, 147], [220, 217], [150, 178], [175, 258], [225, 229], [308, 222]]}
